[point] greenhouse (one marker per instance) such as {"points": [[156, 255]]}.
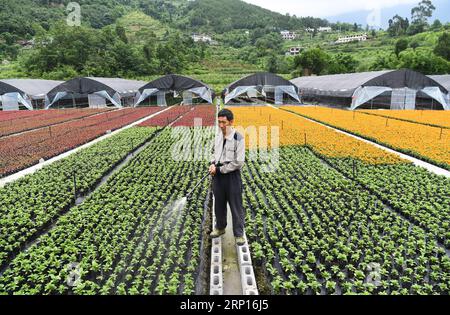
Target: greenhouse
{"points": [[258, 87], [443, 80], [398, 89], [172, 89], [94, 93], [28, 93]]}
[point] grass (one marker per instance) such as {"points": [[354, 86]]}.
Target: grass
{"points": [[140, 27]]}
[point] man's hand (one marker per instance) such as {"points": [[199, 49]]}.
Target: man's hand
{"points": [[212, 170]]}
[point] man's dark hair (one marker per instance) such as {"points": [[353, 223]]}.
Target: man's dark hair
{"points": [[226, 113]]}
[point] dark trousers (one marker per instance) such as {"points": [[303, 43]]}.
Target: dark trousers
{"points": [[227, 188]]}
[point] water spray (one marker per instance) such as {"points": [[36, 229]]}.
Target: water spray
{"points": [[181, 203]]}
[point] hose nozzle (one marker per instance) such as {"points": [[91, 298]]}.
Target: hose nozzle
{"points": [[189, 195]]}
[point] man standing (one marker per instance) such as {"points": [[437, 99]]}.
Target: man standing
{"points": [[228, 160]]}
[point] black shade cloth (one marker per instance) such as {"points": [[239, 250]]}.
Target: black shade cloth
{"points": [[259, 79], [34, 88], [90, 85], [404, 78], [174, 82]]}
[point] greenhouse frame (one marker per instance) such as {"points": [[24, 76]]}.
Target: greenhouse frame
{"points": [[392, 89], [443, 80], [30, 93], [264, 85], [187, 87], [95, 92]]}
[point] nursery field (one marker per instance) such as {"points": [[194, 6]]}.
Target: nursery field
{"points": [[297, 131], [30, 204], [427, 117], [334, 212], [429, 143], [167, 117], [14, 122], [26, 149], [314, 231], [326, 214], [128, 237], [204, 115]]}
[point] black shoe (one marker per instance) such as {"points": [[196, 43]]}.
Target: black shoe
{"points": [[217, 233], [240, 241]]}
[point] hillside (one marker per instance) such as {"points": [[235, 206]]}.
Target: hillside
{"points": [[143, 39], [378, 52], [22, 18], [225, 15], [140, 27]]}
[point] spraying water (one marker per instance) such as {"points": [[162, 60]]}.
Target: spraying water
{"points": [[172, 212], [169, 217], [180, 203], [176, 207]]}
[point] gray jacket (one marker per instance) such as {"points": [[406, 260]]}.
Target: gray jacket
{"points": [[232, 156]]}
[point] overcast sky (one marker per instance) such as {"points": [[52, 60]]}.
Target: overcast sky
{"points": [[325, 8]]}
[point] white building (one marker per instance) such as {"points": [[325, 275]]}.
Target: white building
{"points": [[324, 29], [294, 51], [320, 29], [201, 38], [352, 38], [288, 35]]}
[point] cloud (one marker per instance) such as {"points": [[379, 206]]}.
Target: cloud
{"points": [[325, 8]]}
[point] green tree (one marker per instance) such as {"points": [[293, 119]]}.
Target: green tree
{"points": [[423, 61], [443, 46], [414, 44], [9, 51], [120, 31], [67, 50], [420, 15], [269, 44], [272, 64], [437, 25], [313, 61], [398, 25], [400, 45], [100, 15], [384, 61], [171, 55], [342, 63], [64, 72], [148, 51], [9, 38]]}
